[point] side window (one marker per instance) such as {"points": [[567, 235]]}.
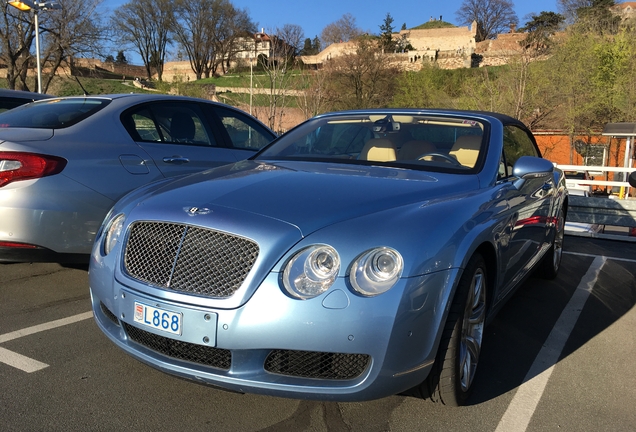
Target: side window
{"points": [[516, 143], [8, 103], [142, 126], [173, 123], [504, 169], [182, 124], [244, 132]]}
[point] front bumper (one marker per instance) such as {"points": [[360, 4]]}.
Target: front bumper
{"points": [[338, 346]]}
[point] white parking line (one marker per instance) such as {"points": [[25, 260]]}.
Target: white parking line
{"points": [[522, 407], [27, 364], [595, 256], [19, 361]]}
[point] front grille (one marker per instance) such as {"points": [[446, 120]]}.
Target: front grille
{"points": [[309, 364], [186, 258], [204, 355], [111, 316]]}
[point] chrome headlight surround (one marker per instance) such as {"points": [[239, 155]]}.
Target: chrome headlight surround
{"points": [[311, 271], [376, 271], [112, 233]]}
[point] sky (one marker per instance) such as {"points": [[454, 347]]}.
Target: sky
{"points": [[313, 16]]}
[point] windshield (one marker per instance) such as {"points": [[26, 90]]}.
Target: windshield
{"points": [[414, 141], [52, 113]]}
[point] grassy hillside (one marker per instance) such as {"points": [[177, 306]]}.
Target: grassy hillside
{"points": [[433, 25], [78, 86]]}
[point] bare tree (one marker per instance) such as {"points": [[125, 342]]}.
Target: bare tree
{"points": [[343, 30], [292, 35], [311, 94], [568, 8], [276, 67], [363, 79], [17, 32], [72, 30], [237, 25], [146, 25], [598, 18], [492, 17], [193, 29], [207, 31]]}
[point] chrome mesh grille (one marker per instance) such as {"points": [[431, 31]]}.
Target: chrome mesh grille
{"points": [[310, 364], [209, 356], [186, 258]]}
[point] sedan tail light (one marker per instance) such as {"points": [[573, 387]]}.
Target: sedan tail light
{"points": [[16, 166], [8, 244]]}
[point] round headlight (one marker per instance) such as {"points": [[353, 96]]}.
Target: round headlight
{"points": [[113, 231], [311, 271], [376, 271]]}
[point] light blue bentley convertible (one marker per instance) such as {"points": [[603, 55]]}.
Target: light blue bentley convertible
{"points": [[359, 255]]}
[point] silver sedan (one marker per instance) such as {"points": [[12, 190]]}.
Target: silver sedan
{"points": [[65, 161]]}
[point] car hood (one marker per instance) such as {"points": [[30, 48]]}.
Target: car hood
{"points": [[24, 134], [308, 195]]}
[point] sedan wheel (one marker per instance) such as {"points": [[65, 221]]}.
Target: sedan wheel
{"points": [[454, 371]]}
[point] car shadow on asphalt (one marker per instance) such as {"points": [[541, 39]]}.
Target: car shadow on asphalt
{"points": [[516, 335]]}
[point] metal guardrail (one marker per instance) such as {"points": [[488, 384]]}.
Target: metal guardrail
{"points": [[602, 211], [595, 169]]}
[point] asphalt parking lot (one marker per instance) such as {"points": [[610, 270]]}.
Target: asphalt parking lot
{"points": [[559, 356]]}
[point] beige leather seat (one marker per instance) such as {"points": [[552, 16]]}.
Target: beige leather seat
{"points": [[466, 149], [378, 150], [412, 150]]}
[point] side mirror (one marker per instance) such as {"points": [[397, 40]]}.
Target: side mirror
{"points": [[632, 179], [529, 167]]}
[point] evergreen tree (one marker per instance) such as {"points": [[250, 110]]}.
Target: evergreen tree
{"points": [[307, 48], [386, 36], [540, 30], [121, 58]]}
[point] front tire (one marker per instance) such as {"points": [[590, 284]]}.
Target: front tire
{"points": [[451, 379]]}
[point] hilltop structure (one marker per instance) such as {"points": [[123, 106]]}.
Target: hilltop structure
{"points": [[627, 10], [448, 48], [452, 47]]}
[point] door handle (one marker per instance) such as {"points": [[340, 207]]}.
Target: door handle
{"points": [[176, 159]]}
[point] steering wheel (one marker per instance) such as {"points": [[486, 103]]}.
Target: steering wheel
{"points": [[446, 158]]}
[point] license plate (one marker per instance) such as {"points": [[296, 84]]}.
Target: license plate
{"points": [[158, 318]]}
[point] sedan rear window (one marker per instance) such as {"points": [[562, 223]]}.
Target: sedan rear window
{"points": [[52, 113]]}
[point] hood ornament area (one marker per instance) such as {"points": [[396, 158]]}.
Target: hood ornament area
{"points": [[196, 211]]}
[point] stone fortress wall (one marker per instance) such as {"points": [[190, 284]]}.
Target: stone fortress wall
{"points": [[448, 48], [433, 45]]}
